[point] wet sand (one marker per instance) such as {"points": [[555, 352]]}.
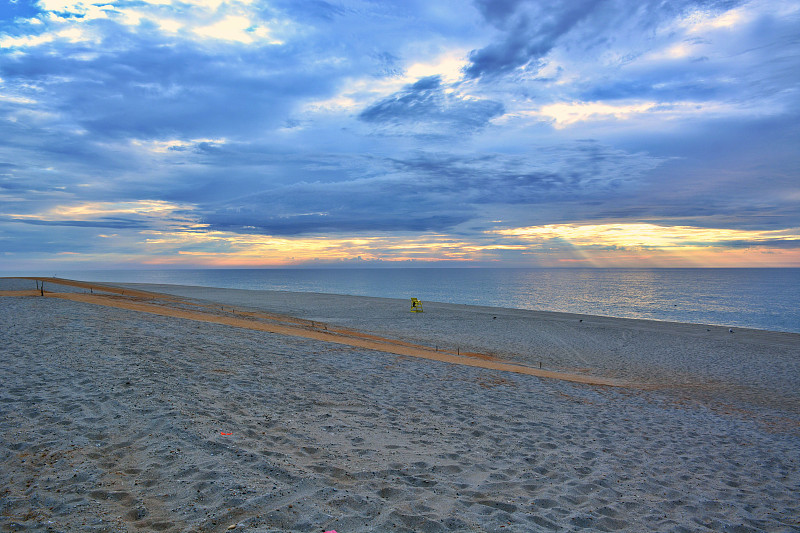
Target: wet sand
{"points": [[121, 419]]}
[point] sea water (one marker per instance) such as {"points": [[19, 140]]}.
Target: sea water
{"points": [[737, 297]]}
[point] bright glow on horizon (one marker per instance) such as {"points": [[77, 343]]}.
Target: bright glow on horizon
{"points": [[642, 235], [222, 248]]}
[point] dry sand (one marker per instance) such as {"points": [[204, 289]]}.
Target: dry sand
{"points": [[117, 419]]}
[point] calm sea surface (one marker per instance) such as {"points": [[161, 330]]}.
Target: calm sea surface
{"points": [[756, 298]]}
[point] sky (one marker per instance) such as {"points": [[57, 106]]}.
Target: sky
{"points": [[507, 133]]}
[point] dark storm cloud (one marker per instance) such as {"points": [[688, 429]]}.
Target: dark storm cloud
{"points": [[426, 102]]}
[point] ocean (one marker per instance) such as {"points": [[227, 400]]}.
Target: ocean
{"points": [[747, 297]]}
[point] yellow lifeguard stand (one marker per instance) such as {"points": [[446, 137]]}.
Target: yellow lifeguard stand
{"points": [[416, 306]]}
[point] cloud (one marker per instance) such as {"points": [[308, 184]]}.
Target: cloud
{"points": [[399, 126], [114, 78], [104, 222], [625, 236], [427, 191], [339, 222], [427, 106], [311, 9], [546, 173], [116, 215], [386, 204], [530, 30]]}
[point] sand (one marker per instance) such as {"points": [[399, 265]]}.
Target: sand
{"points": [[118, 419]]}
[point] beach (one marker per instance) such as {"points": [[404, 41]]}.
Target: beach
{"points": [[169, 408]]}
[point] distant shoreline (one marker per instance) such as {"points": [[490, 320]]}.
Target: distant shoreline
{"points": [[191, 290], [617, 350], [743, 298]]}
